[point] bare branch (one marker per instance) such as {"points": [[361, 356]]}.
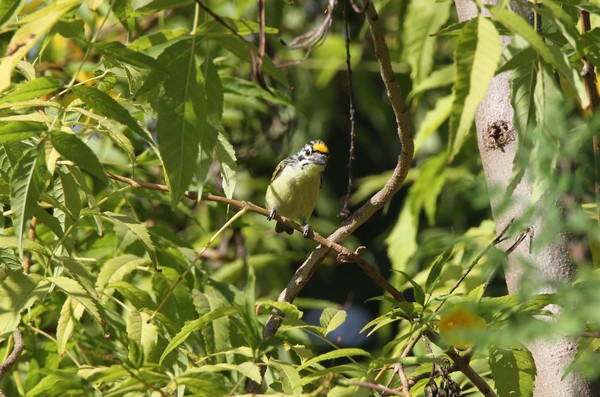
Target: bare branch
{"points": [[14, 355]]}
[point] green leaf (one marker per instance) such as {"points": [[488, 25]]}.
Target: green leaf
{"points": [[160, 5], [331, 318], [70, 313], [333, 355], [8, 261], [141, 332], [288, 310], [82, 185], [432, 121], [115, 269], [477, 55], [123, 54], [402, 240], [106, 105], [16, 131], [138, 229], [417, 289], [289, 378], [181, 122], [30, 31], [550, 54], [8, 9], [139, 298], [513, 372], [421, 21], [18, 291], [26, 188], [72, 148], [193, 326], [436, 269], [123, 9], [228, 162], [31, 89], [73, 289]]}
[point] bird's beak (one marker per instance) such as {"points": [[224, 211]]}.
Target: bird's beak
{"points": [[320, 160]]}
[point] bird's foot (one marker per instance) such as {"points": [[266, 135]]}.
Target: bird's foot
{"points": [[307, 231], [271, 214]]}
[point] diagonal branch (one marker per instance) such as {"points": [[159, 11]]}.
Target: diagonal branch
{"points": [[14, 354], [344, 254]]}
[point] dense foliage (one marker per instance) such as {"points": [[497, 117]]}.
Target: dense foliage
{"points": [[119, 288]]}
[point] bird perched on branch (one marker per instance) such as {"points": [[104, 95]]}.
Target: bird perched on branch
{"points": [[295, 185]]}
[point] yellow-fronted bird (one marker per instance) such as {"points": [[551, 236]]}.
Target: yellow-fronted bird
{"points": [[295, 185]]}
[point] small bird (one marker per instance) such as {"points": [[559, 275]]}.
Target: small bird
{"points": [[295, 185]]}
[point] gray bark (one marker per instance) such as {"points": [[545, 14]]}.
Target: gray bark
{"points": [[550, 262]]}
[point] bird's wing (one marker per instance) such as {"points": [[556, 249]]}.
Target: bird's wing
{"points": [[282, 164]]}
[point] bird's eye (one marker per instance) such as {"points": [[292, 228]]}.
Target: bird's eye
{"points": [[307, 152]]}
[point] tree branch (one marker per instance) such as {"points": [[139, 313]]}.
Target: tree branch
{"points": [[14, 355], [344, 254]]}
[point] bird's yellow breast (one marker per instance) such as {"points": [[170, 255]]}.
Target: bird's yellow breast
{"points": [[294, 192]]}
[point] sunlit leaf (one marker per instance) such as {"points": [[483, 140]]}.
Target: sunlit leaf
{"points": [[513, 371], [18, 130], [17, 292], [477, 55], [32, 89], [26, 188], [73, 148]]}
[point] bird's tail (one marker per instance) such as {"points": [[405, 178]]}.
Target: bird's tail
{"points": [[280, 228]]}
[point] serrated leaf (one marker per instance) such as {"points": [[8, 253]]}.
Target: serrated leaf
{"points": [[123, 10], [115, 269], [71, 311], [31, 89], [106, 105], [138, 229], [196, 325], [17, 292], [82, 185], [477, 55], [141, 332], [290, 378], [126, 55], [181, 123], [30, 31], [72, 148], [331, 318], [138, 297], [26, 188], [436, 269], [550, 54], [417, 289], [513, 372], [113, 130], [228, 162], [16, 131], [9, 261], [289, 310], [73, 289], [333, 355]]}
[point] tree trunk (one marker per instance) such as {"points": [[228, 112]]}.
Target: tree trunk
{"points": [[551, 262]]}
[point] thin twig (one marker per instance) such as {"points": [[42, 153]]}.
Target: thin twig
{"points": [[377, 201], [375, 386], [499, 238], [462, 364], [344, 254], [345, 210], [14, 354], [405, 386]]}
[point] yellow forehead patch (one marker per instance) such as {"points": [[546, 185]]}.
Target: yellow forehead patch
{"points": [[320, 146]]}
